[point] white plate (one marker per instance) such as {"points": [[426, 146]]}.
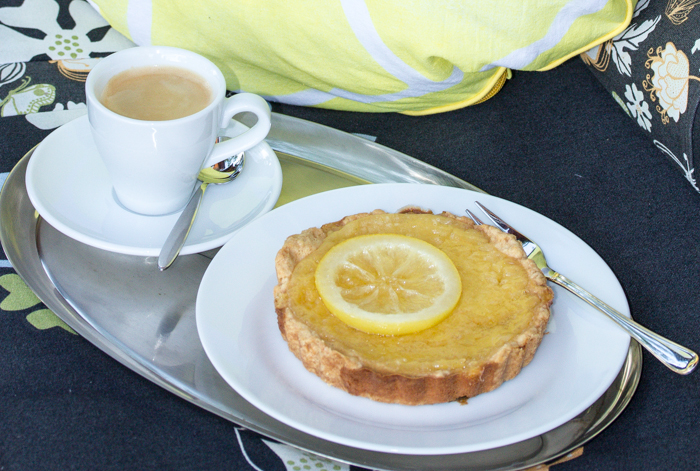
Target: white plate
{"points": [[577, 361], [69, 186]]}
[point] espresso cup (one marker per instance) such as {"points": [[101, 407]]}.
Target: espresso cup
{"points": [[155, 137]]}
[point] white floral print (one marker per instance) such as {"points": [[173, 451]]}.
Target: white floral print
{"points": [[620, 102], [11, 72], [638, 107], [27, 98], [295, 459], [696, 46], [59, 116], [617, 49], [641, 5], [57, 42], [670, 81], [629, 40]]}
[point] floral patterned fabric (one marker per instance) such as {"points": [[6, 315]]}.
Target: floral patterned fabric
{"points": [[652, 69]]}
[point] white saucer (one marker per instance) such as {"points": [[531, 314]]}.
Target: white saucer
{"points": [[69, 186]]}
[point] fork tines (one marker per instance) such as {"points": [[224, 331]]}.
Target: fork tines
{"points": [[473, 217], [500, 223]]}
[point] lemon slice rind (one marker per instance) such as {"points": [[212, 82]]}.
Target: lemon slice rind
{"points": [[440, 268]]}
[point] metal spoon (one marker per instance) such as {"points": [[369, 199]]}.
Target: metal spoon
{"points": [[223, 172]]}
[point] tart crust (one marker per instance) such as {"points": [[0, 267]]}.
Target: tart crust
{"points": [[355, 375]]}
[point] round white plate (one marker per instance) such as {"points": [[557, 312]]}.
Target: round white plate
{"points": [[577, 361], [69, 186]]}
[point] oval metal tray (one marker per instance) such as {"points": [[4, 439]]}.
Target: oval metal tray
{"points": [[144, 318]]}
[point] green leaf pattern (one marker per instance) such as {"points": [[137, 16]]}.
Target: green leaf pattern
{"points": [[19, 298]]}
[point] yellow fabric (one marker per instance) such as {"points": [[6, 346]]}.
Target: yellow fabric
{"points": [[413, 56]]}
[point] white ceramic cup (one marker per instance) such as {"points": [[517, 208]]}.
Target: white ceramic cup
{"points": [[154, 165]]}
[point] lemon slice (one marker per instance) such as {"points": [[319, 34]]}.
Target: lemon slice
{"points": [[388, 284]]}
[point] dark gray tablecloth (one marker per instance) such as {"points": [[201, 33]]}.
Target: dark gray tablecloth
{"points": [[555, 142]]}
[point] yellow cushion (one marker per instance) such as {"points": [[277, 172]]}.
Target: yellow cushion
{"points": [[411, 56]]}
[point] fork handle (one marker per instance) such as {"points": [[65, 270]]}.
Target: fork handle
{"points": [[677, 357]]}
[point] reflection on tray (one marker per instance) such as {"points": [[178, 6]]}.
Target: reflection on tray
{"points": [[304, 178]]}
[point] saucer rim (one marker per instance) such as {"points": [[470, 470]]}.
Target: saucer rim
{"points": [[190, 247]]}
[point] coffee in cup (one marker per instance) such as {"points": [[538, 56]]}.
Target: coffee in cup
{"points": [[156, 93], [155, 114]]}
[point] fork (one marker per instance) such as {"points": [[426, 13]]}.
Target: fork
{"points": [[676, 357]]}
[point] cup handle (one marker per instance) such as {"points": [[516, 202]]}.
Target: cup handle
{"points": [[234, 105]]}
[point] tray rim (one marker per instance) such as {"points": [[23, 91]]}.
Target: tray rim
{"points": [[29, 267]]}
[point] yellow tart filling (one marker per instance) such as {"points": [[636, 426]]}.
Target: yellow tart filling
{"points": [[498, 301]]}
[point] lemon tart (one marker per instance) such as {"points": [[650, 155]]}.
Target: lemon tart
{"points": [[353, 297]]}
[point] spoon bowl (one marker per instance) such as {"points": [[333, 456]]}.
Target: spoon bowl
{"points": [[222, 172]]}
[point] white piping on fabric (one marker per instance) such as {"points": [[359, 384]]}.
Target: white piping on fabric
{"points": [[95, 6], [360, 21], [308, 97], [139, 15], [520, 58]]}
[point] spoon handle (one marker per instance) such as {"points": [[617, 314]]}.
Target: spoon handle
{"points": [[176, 239]]}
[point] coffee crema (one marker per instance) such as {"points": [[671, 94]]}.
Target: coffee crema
{"points": [[156, 93]]}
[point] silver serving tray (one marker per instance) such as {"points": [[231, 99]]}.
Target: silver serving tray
{"points": [[145, 319]]}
